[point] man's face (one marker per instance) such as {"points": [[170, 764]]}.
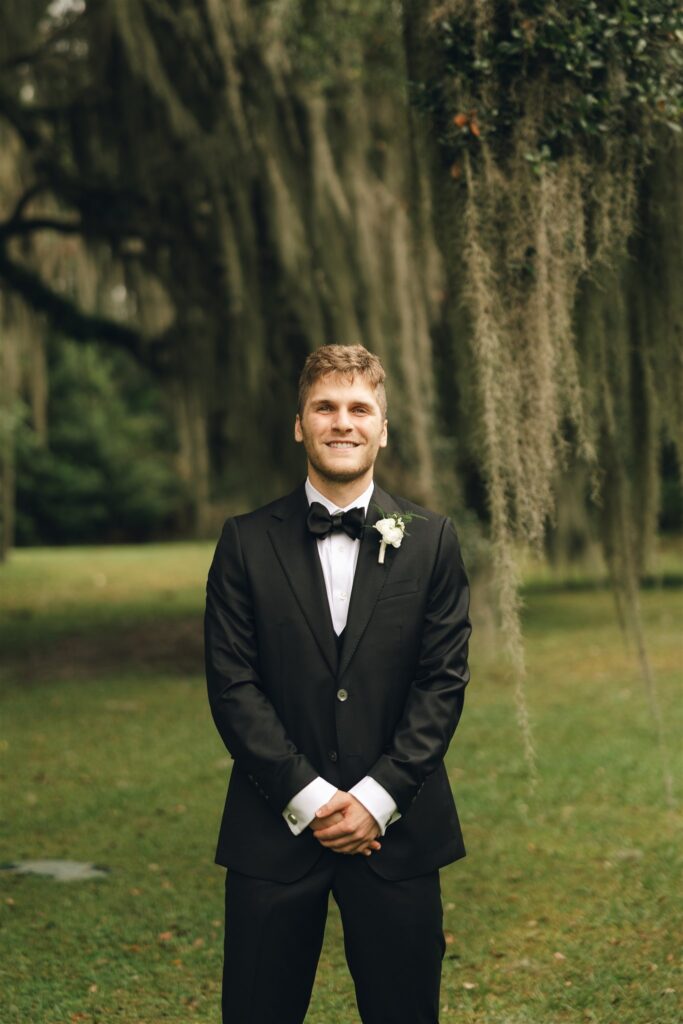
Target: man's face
{"points": [[341, 428]]}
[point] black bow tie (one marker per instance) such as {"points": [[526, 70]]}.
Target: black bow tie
{"points": [[321, 523]]}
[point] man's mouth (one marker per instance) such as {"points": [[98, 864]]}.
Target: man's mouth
{"points": [[341, 444]]}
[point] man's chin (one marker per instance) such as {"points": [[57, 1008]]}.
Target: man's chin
{"points": [[340, 474]]}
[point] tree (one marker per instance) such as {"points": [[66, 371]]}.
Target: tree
{"points": [[486, 194]]}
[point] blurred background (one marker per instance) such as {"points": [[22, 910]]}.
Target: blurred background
{"points": [[193, 195]]}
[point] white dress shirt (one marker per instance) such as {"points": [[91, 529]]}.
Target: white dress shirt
{"points": [[338, 557]]}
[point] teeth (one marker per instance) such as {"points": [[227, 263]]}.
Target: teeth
{"points": [[342, 444]]}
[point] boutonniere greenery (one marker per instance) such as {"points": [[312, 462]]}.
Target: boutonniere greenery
{"points": [[392, 529]]}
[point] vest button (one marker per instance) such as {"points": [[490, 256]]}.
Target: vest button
{"points": [[342, 694], [333, 755]]}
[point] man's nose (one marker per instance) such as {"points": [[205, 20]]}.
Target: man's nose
{"points": [[342, 420]]}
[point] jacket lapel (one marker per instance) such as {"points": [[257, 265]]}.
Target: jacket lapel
{"points": [[297, 552], [369, 579]]}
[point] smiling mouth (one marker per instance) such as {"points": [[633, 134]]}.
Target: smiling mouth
{"points": [[341, 445]]}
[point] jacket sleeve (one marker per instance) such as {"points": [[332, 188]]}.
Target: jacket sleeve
{"points": [[244, 716], [436, 696]]}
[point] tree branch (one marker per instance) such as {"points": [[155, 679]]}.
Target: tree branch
{"points": [[65, 316], [23, 201], [20, 226]]}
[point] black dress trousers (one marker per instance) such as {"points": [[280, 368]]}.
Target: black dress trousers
{"points": [[393, 940]]}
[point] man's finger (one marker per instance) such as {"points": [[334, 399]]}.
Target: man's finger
{"points": [[353, 848], [338, 802], [340, 843], [337, 831], [345, 843], [372, 847], [331, 819]]}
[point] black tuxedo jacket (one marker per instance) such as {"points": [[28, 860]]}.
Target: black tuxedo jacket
{"points": [[289, 707]]}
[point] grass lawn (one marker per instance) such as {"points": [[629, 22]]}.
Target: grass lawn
{"points": [[567, 909]]}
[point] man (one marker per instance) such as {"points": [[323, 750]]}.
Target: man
{"points": [[336, 670]]}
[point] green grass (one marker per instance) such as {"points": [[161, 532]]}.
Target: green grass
{"points": [[567, 908]]}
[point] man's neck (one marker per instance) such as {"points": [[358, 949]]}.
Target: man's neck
{"points": [[342, 494]]}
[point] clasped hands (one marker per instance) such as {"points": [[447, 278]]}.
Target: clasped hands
{"points": [[344, 825]]}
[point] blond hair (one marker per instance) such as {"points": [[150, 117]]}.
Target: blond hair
{"points": [[346, 361]]}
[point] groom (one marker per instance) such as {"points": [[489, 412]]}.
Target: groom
{"points": [[336, 681]]}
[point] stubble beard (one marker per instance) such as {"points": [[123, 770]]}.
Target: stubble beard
{"points": [[338, 476]]}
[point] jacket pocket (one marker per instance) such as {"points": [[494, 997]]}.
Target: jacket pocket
{"points": [[397, 588]]}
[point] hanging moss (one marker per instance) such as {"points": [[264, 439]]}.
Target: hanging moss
{"points": [[546, 120]]}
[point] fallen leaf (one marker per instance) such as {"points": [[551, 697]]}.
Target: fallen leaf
{"points": [[449, 937], [92, 989], [559, 956], [460, 120], [165, 936], [469, 985]]}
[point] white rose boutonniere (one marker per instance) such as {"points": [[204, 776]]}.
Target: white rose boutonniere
{"points": [[392, 529]]}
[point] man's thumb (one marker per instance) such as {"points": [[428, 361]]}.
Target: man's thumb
{"points": [[333, 804]]}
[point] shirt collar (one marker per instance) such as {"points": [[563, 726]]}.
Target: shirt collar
{"points": [[362, 501]]}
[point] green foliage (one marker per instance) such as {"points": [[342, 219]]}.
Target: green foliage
{"points": [[106, 473], [331, 44], [600, 68]]}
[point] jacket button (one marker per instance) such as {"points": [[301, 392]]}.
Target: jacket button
{"points": [[332, 755], [342, 694]]}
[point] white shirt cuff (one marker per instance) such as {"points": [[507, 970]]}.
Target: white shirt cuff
{"points": [[377, 801], [300, 811]]}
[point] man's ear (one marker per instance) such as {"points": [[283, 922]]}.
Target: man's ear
{"points": [[384, 437], [298, 435]]}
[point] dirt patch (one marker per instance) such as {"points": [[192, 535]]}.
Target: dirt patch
{"points": [[165, 646]]}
